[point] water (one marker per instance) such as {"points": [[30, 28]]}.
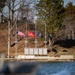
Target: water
{"points": [[57, 68], [44, 68]]}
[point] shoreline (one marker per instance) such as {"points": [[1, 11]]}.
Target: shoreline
{"points": [[38, 60]]}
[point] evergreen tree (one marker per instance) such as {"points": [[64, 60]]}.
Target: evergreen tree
{"points": [[51, 12], [2, 4]]}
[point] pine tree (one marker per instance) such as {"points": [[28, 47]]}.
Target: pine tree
{"points": [[51, 12], [2, 4]]}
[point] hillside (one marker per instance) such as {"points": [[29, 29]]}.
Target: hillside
{"points": [[55, 50], [3, 38], [21, 41]]}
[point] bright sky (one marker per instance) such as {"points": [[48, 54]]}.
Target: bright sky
{"points": [[66, 1]]}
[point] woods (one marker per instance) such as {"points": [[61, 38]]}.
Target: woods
{"points": [[50, 20], [59, 19]]}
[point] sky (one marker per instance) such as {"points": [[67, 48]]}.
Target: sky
{"points": [[66, 1]]}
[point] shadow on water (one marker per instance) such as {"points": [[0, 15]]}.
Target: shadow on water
{"points": [[65, 43], [18, 68]]}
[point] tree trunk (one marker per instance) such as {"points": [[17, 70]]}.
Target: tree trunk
{"points": [[73, 36]]}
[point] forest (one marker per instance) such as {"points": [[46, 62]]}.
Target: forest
{"points": [[59, 19], [44, 16]]}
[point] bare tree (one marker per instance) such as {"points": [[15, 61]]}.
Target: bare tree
{"points": [[69, 21], [26, 9]]}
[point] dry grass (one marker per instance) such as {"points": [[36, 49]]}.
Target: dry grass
{"points": [[21, 44]]}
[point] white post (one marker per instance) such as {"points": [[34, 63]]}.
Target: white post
{"points": [[26, 40], [8, 38], [9, 31], [16, 42], [35, 26], [26, 37], [45, 35], [36, 37]]}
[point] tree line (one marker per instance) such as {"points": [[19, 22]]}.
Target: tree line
{"points": [[59, 19]]}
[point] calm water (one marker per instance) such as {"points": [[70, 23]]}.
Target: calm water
{"points": [[57, 68], [45, 68]]}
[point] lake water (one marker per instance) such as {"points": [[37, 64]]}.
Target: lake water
{"points": [[57, 68], [44, 68]]}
